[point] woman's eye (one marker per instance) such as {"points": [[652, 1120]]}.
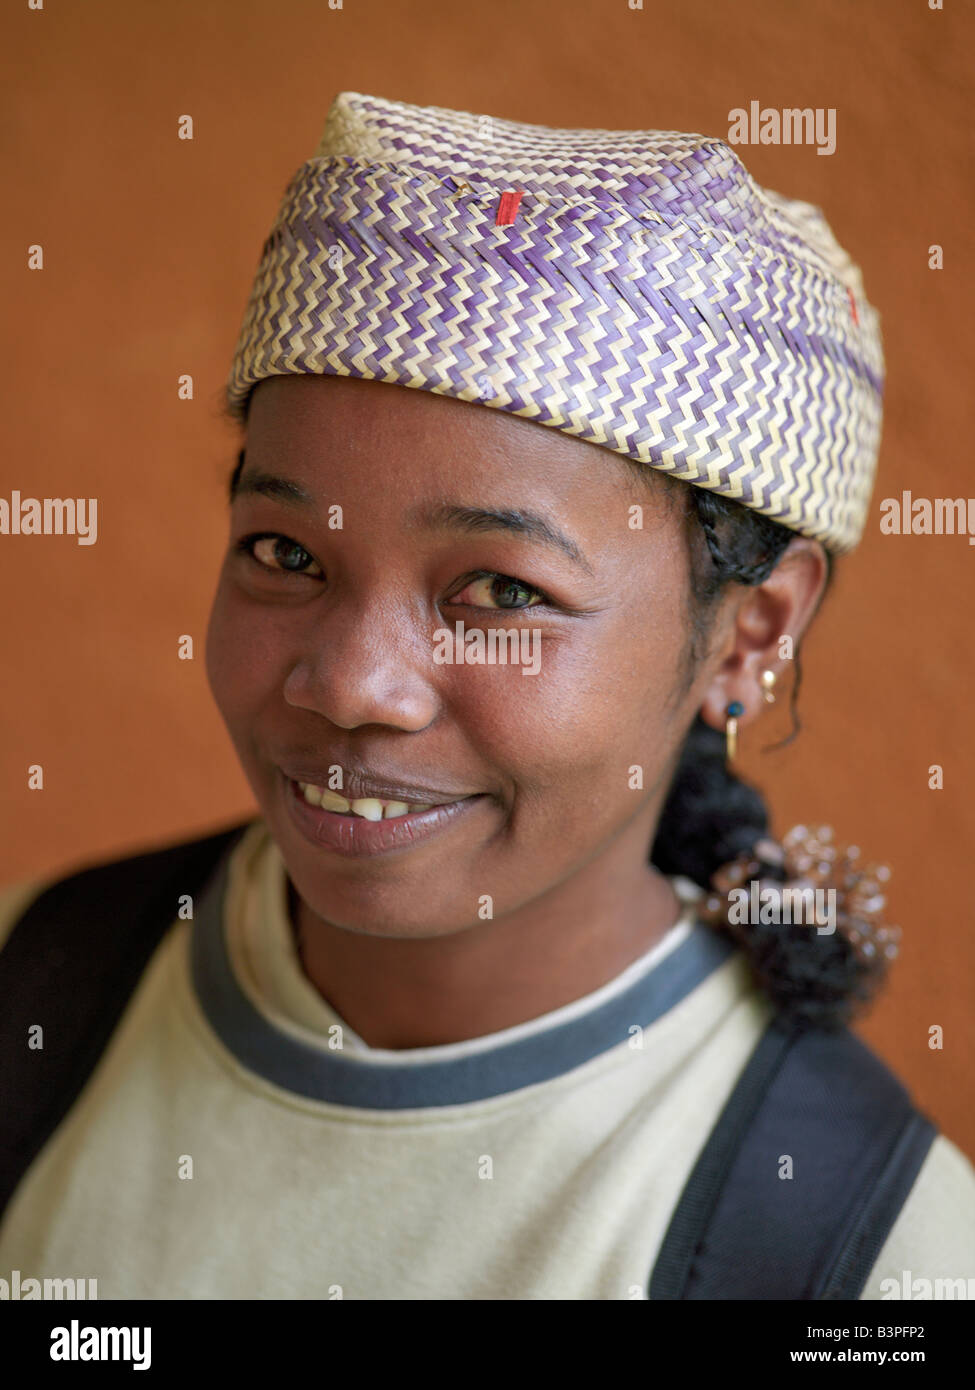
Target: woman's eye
{"points": [[280, 553], [499, 591]]}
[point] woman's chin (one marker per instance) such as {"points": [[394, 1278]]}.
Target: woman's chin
{"points": [[379, 913]]}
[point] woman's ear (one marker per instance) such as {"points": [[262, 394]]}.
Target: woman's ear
{"points": [[761, 630]]}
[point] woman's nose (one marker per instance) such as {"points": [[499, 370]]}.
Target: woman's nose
{"points": [[366, 665]]}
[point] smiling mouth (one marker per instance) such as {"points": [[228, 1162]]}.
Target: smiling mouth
{"points": [[366, 808]]}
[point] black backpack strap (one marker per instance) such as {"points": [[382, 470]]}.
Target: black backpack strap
{"points": [[71, 963], [856, 1145]]}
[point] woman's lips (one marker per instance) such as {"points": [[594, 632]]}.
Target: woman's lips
{"points": [[355, 836]]}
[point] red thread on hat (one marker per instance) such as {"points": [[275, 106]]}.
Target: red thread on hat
{"points": [[508, 208], [853, 307]]}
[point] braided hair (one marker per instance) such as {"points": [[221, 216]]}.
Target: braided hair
{"points": [[711, 816]]}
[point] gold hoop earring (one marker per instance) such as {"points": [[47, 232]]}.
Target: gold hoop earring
{"points": [[732, 713]]}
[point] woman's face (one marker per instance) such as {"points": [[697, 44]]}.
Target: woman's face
{"points": [[326, 651]]}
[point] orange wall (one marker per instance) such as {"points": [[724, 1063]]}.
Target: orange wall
{"points": [[150, 244]]}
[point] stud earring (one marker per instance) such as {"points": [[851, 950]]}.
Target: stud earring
{"points": [[768, 687], [732, 713]]}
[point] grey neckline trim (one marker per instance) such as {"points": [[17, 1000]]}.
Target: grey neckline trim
{"points": [[318, 1074]]}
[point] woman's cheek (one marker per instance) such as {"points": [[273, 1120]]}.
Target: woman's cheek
{"points": [[544, 733], [526, 710], [219, 649], [242, 655]]}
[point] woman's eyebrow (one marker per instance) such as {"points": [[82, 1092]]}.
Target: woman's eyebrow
{"points": [[444, 515], [439, 516], [268, 485]]}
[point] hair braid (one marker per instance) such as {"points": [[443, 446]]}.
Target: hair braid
{"points": [[711, 816]]}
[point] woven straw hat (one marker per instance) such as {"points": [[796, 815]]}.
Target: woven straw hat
{"points": [[636, 289]]}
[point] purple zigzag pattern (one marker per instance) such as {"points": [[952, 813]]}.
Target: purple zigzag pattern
{"points": [[678, 366]]}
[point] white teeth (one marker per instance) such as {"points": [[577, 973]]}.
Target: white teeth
{"points": [[368, 807], [319, 796]]}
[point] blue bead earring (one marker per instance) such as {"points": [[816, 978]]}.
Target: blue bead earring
{"points": [[732, 714]]}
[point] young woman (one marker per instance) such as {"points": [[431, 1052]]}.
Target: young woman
{"points": [[550, 439]]}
